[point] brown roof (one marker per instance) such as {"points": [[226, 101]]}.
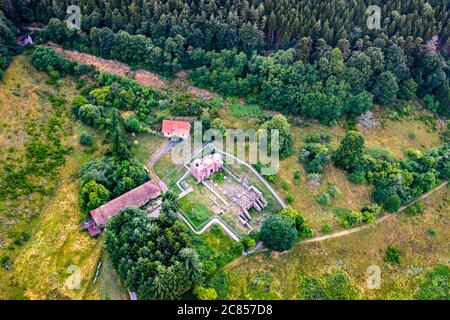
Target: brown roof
{"points": [[176, 127], [136, 197]]}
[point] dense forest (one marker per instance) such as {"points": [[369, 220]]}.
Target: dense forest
{"points": [[244, 24], [324, 67]]}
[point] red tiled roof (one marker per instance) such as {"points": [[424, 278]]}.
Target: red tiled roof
{"points": [[136, 197], [176, 127]]}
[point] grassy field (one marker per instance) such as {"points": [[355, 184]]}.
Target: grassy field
{"points": [[422, 240], [304, 196], [195, 211], [41, 263], [147, 144], [399, 134]]}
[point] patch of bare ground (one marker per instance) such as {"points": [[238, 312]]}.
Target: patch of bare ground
{"points": [[150, 79], [144, 77], [201, 93]]}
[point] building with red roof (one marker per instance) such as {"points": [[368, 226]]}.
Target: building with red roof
{"points": [[136, 197], [176, 129]]}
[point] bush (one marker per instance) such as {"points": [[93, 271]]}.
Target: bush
{"points": [[327, 228], [432, 232], [237, 249], [132, 124], [297, 176], [285, 186], [436, 285], [303, 229], [317, 137], [203, 293], [90, 114], [371, 213], [334, 192], [415, 209], [248, 242], [54, 75], [315, 156], [334, 285], [352, 218], [86, 139], [350, 151], [392, 255], [77, 102], [392, 203], [324, 199], [6, 261], [93, 195], [357, 177], [289, 198], [278, 232]]}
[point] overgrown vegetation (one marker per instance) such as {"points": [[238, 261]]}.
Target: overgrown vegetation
{"points": [[159, 263]]}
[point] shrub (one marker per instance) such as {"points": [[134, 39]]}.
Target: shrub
{"points": [[289, 198], [278, 232], [350, 151], [392, 255], [412, 135], [324, 199], [392, 203], [327, 228], [86, 139], [303, 229], [352, 218], [371, 213], [357, 177], [415, 209], [93, 195], [77, 102], [54, 75], [285, 186], [334, 192], [132, 124], [89, 114], [436, 285], [248, 242], [315, 156], [432, 232], [221, 283], [317, 137], [334, 285], [6, 261], [297, 176], [203, 293], [237, 249]]}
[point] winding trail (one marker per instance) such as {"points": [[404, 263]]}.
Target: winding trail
{"points": [[383, 218]]}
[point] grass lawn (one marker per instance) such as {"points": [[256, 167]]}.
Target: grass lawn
{"points": [[196, 212], [216, 246], [47, 225], [401, 134], [266, 276], [109, 286], [148, 144]]}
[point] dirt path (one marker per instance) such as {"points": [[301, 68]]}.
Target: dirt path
{"points": [[383, 218], [339, 234], [144, 77]]}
